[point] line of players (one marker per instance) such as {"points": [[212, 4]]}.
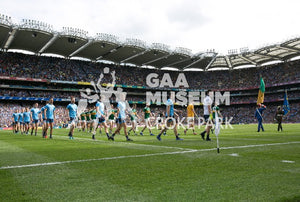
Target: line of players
{"points": [[24, 119], [95, 116]]}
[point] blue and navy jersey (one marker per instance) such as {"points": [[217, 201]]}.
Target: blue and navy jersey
{"points": [[26, 117], [50, 111], [72, 110], [122, 109], [35, 113], [101, 109], [42, 111], [171, 104], [20, 117], [16, 117]]}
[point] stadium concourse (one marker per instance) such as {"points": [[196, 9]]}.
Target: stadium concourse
{"points": [[26, 79]]}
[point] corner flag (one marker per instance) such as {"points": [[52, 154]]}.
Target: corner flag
{"points": [[261, 92], [286, 105], [217, 129]]}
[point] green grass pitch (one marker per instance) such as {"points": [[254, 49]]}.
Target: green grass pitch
{"points": [[251, 166]]}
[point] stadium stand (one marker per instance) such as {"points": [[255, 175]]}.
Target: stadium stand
{"points": [[39, 77], [26, 79]]}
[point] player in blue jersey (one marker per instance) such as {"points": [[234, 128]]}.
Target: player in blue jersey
{"points": [[26, 117], [21, 123], [15, 121], [34, 118], [72, 111], [121, 116], [49, 113], [170, 117], [43, 119], [101, 118]]}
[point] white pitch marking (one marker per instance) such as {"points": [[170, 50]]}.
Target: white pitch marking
{"points": [[286, 161], [233, 154], [142, 155], [99, 159], [260, 145]]}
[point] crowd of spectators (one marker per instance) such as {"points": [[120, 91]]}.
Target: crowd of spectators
{"points": [[268, 97], [30, 66], [241, 114], [38, 93], [244, 114], [251, 98]]}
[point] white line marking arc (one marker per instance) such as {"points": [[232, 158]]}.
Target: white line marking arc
{"points": [[286, 161], [233, 154], [142, 155]]}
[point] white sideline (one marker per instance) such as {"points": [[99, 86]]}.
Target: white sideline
{"points": [[142, 155]]}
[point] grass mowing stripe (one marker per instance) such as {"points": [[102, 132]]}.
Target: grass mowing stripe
{"points": [[143, 155], [127, 143]]}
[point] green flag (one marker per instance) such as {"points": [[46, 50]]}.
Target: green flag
{"points": [[261, 92]]}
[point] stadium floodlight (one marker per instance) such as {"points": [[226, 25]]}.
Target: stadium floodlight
{"points": [[210, 51], [135, 42], [244, 50], [233, 52], [160, 46], [35, 24], [107, 37], [75, 32], [183, 51], [6, 20]]}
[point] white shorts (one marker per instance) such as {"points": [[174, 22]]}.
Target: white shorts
{"points": [[190, 120]]}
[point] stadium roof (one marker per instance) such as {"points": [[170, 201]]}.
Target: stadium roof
{"points": [[40, 38]]}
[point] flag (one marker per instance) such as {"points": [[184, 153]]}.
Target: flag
{"points": [[286, 105], [261, 92]]}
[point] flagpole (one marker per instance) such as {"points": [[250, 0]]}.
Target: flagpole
{"points": [[286, 104], [218, 148], [217, 129]]}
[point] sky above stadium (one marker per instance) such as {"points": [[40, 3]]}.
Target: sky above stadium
{"points": [[195, 24]]}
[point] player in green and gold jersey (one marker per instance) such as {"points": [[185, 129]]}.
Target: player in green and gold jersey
{"points": [[133, 117], [94, 122], [111, 118], [147, 114], [88, 119], [82, 121]]}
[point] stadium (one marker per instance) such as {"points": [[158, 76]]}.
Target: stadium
{"points": [[251, 166]]}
